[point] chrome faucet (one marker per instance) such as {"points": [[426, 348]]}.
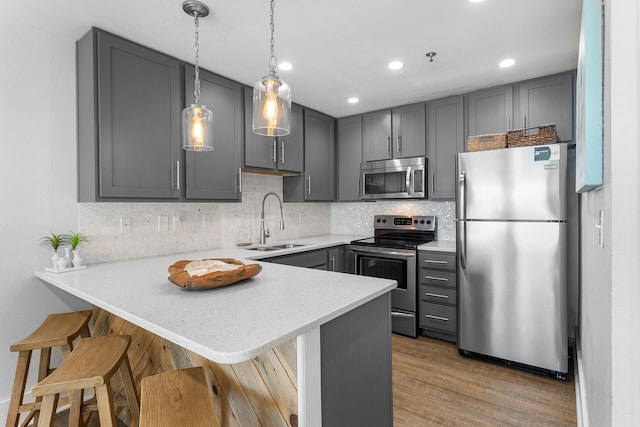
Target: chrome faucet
{"points": [[264, 232]]}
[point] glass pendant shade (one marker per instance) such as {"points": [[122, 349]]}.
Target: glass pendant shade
{"points": [[197, 128], [271, 107]]}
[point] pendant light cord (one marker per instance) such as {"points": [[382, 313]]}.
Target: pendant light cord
{"points": [[273, 61], [196, 85]]}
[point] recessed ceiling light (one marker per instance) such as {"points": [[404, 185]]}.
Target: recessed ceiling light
{"points": [[285, 66], [475, 1], [353, 100], [506, 63], [395, 65]]}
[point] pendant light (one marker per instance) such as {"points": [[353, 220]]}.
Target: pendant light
{"points": [[271, 99], [197, 121]]}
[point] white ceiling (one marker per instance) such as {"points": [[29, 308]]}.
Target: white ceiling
{"points": [[340, 48]]}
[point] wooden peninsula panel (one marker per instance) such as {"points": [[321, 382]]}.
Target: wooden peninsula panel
{"points": [[261, 391]]}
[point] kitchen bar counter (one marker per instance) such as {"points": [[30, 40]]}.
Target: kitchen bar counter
{"points": [[290, 346], [230, 324]]}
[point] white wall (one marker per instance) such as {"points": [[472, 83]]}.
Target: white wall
{"points": [[38, 176], [610, 297]]}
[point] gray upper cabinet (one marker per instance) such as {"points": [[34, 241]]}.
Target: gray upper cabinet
{"points": [[445, 140], [317, 181], [490, 111], [280, 153], [549, 100], [129, 103], [349, 157], [216, 174], [395, 133]]}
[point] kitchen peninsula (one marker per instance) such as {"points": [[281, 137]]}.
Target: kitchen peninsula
{"points": [[290, 346]]}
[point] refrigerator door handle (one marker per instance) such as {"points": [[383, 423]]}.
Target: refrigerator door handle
{"points": [[462, 182]]}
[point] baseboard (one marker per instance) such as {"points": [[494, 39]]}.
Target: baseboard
{"points": [[582, 417]]}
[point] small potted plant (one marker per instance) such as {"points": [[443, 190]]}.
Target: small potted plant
{"points": [[75, 240], [54, 241]]}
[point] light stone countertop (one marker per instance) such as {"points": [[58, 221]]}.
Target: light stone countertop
{"points": [[439, 246], [230, 324]]}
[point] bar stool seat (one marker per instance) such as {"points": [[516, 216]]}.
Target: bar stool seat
{"points": [[177, 398], [92, 364], [57, 330]]}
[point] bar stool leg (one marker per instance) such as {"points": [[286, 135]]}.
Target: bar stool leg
{"points": [[106, 410], [130, 391], [49, 404], [19, 384]]}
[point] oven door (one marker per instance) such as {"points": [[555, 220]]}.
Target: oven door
{"points": [[398, 265]]}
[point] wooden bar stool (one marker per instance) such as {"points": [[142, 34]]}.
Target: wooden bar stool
{"points": [[177, 398], [92, 364], [57, 330]]}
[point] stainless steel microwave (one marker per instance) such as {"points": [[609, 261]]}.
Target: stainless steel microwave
{"points": [[394, 179]]}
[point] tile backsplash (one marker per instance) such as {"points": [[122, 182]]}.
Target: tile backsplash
{"points": [[167, 228], [357, 217]]}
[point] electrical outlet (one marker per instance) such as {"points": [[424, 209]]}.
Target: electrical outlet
{"points": [[163, 223], [206, 220], [125, 224]]}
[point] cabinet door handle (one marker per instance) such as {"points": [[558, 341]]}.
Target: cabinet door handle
{"points": [[398, 143], [177, 174], [389, 145], [240, 180], [430, 316], [441, 279], [429, 294], [332, 263], [432, 261], [282, 152], [524, 121], [275, 152], [309, 190], [433, 182]]}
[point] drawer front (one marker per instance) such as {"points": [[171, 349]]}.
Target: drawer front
{"points": [[438, 295], [436, 316], [443, 260], [437, 277]]}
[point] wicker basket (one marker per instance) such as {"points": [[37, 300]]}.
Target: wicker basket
{"points": [[539, 135], [487, 142]]}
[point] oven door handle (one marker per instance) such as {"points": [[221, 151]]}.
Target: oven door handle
{"points": [[383, 251]]}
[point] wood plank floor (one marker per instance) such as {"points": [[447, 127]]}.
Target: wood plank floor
{"points": [[434, 386]]}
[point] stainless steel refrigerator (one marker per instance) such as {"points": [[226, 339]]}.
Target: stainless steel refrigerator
{"points": [[511, 225]]}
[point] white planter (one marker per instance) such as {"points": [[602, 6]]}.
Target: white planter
{"points": [[77, 260]]}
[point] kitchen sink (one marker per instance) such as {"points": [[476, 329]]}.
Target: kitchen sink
{"points": [[276, 247], [287, 246]]}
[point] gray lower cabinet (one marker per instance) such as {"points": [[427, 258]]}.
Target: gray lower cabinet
{"points": [[437, 294], [330, 259], [445, 139], [283, 153], [317, 181], [490, 111], [335, 258], [216, 174], [395, 133], [129, 104], [349, 158], [549, 100]]}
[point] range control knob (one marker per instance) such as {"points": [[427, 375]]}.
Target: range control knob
{"points": [[422, 221], [378, 220], [415, 221], [429, 221]]}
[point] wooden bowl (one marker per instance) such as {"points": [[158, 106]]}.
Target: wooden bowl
{"points": [[179, 276]]}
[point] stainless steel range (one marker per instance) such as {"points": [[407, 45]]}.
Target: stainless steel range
{"points": [[392, 254]]}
